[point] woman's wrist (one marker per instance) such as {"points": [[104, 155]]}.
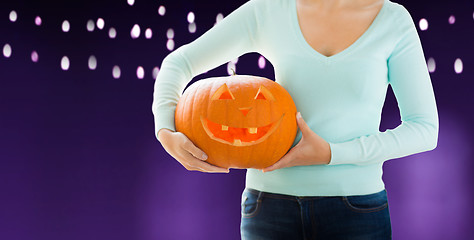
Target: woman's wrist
{"points": [[162, 132]]}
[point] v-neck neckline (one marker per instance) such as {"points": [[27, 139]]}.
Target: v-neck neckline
{"points": [[310, 49]]}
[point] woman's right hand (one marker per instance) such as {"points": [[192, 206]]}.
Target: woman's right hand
{"points": [[185, 152]]}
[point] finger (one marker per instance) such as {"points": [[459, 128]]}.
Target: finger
{"points": [[195, 151], [204, 166], [301, 123], [282, 163], [211, 168], [190, 168]]}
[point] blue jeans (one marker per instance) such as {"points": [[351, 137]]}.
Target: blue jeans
{"points": [[276, 216]]}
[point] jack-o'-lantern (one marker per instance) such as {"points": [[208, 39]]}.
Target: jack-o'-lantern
{"points": [[239, 121]]}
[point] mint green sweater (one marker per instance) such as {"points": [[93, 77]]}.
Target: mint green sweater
{"points": [[340, 97]]}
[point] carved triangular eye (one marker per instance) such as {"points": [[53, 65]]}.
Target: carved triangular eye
{"points": [[260, 96], [222, 93], [264, 94], [225, 95]]}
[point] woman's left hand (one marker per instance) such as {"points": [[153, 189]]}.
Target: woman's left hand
{"points": [[310, 150]]}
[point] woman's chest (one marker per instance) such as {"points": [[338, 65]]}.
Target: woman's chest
{"points": [[330, 32]]}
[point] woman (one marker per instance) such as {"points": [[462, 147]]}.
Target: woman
{"points": [[336, 58]]}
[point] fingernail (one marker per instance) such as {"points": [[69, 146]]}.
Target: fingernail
{"points": [[204, 156], [298, 115]]}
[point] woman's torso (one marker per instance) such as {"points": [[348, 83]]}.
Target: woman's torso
{"points": [[329, 30]]}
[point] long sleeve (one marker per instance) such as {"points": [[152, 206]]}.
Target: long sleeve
{"points": [[232, 37], [410, 80]]}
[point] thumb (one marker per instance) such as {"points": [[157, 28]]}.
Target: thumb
{"points": [[195, 151], [302, 124]]}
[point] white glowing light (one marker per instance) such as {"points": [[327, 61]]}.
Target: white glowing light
{"points": [[235, 61], [100, 23], [219, 17], [170, 44], [261, 62], [155, 72], [451, 19], [140, 72], [13, 16], [66, 26], [231, 66], [191, 17], [192, 27], [7, 50], [65, 63], [34, 56], [458, 66], [116, 72], [92, 63], [112, 33], [135, 33], [170, 33], [148, 33], [90, 25], [162, 10], [423, 24], [38, 21], [431, 65], [130, 2]]}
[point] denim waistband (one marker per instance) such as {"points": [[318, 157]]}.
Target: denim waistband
{"points": [[294, 198]]}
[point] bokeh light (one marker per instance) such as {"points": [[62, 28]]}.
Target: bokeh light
{"points": [[66, 26], [170, 44], [131, 2], [451, 19], [170, 33], [140, 72], [261, 62], [192, 27], [100, 23], [155, 72], [92, 63], [148, 33], [38, 21], [13, 16], [219, 17], [65, 63], [34, 56], [135, 32], [90, 25], [116, 72], [161, 10], [7, 50], [458, 66], [112, 33], [423, 24], [431, 65], [191, 17]]}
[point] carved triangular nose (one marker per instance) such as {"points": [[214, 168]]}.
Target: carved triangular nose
{"points": [[245, 110]]}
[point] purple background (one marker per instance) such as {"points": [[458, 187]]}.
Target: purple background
{"points": [[78, 156]]}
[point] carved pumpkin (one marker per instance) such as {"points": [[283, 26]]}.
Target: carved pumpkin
{"points": [[239, 121]]}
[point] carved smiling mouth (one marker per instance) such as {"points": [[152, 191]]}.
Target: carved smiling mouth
{"points": [[239, 136]]}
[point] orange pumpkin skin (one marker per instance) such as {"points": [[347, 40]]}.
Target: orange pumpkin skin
{"points": [[239, 121]]}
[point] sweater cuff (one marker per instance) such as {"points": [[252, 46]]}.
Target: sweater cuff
{"points": [[345, 153], [165, 119]]}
